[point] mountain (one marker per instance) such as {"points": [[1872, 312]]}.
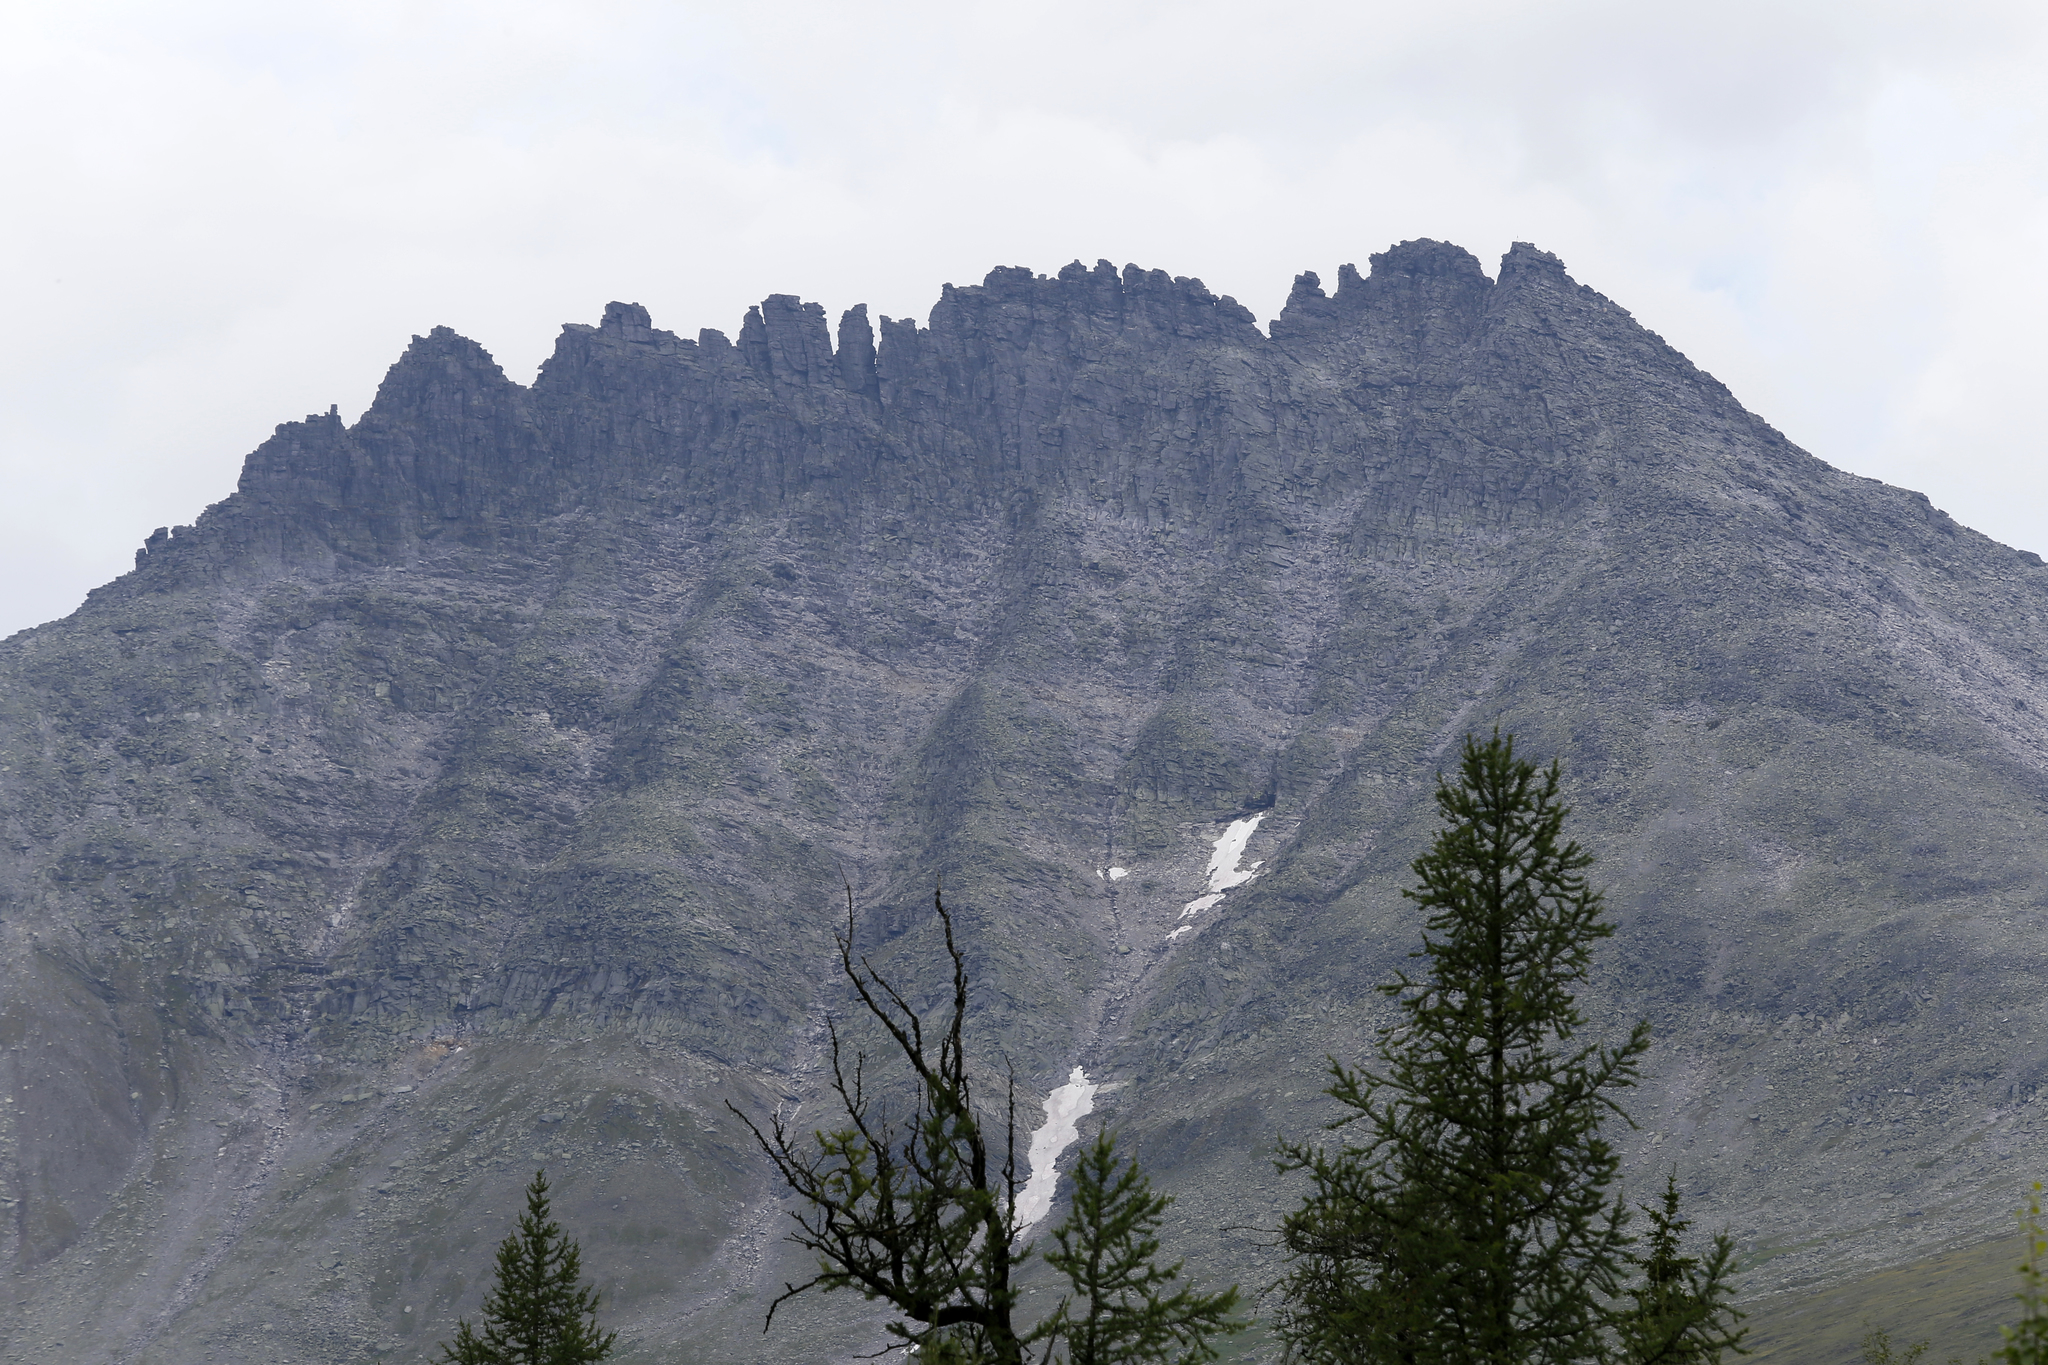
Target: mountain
{"points": [[476, 788]]}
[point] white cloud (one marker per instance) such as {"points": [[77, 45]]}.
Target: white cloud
{"points": [[226, 215]]}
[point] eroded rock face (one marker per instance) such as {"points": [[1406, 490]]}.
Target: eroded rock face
{"points": [[473, 789]]}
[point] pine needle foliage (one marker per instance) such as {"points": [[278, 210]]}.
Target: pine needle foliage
{"points": [[1124, 1308], [2026, 1343], [921, 1215], [539, 1311], [1472, 1218], [1679, 1312]]}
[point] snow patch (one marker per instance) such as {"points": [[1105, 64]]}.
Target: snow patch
{"points": [[1063, 1110], [1224, 872], [1117, 874]]}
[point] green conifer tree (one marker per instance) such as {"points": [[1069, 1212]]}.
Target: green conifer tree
{"points": [[1473, 1219], [2026, 1343], [538, 1312], [1120, 1311], [1679, 1312]]}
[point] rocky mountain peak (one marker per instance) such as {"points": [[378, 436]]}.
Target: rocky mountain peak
{"points": [[628, 321], [441, 375], [475, 787]]}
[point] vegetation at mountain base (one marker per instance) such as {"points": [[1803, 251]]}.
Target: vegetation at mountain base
{"points": [[1961, 1307], [1124, 1307], [923, 1216], [1475, 1218], [539, 1311], [2026, 1342], [1878, 1349], [1477, 1221]]}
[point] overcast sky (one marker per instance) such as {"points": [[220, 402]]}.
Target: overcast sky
{"points": [[222, 216]]}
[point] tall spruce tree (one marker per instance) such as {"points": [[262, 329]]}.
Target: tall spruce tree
{"points": [[1124, 1308], [1474, 1216], [539, 1311]]}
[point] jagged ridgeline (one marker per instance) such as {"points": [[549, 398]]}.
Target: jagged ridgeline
{"points": [[471, 790]]}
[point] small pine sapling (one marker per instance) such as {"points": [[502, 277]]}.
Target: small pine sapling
{"points": [[1120, 1311], [539, 1312], [1680, 1314]]}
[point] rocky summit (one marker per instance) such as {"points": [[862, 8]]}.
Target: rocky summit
{"points": [[477, 788]]}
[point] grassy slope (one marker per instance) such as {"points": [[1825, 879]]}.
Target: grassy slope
{"points": [[1954, 1301]]}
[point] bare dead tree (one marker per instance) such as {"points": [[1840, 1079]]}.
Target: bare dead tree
{"points": [[921, 1216]]}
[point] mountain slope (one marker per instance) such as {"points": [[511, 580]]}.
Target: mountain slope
{"points": [[473, 788]]}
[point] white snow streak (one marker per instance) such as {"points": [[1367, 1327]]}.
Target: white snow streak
{"points": [[1063, 1110], [1224, 872]]}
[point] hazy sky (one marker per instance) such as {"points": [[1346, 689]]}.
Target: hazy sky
{"points": [[222, 216]]}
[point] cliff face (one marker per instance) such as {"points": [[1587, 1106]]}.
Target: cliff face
{"points": [[473, 788]]}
